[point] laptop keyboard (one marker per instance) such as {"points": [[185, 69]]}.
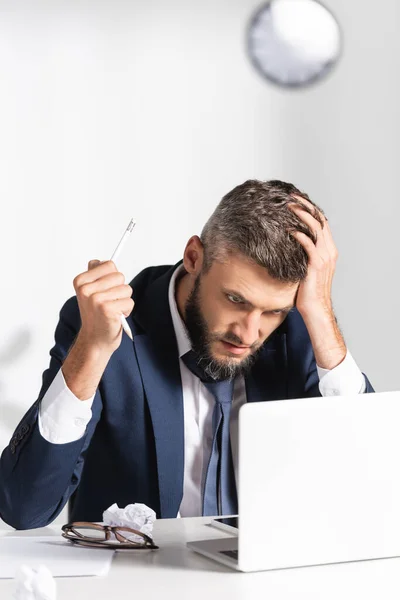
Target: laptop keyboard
{"points": [[231, 553]]}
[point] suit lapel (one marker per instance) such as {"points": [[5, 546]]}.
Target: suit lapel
{"points": [[268, 379], [158, 359]]}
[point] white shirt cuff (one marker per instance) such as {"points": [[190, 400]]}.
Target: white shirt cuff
{"points": [[343, 380], [62, 416]]}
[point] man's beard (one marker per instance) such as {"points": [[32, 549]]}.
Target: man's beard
{"points": [[201, 340]]}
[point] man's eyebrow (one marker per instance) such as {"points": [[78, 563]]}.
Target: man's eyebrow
{"points": [[234, 293], [284, 309]]}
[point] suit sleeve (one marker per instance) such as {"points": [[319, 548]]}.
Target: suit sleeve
{"points": [[38, 477]]}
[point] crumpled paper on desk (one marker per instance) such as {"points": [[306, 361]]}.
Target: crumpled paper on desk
{"points": [[136, 516], [35, 584]]}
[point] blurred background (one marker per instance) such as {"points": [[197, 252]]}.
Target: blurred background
{"points": [[112, 109]]}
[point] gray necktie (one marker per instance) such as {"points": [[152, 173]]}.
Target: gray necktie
{"points": [[219, 496]]}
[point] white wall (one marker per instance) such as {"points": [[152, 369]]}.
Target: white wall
{"points": [[112, 109]]}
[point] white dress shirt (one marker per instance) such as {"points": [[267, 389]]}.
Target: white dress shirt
{"points": [[63, 417]]}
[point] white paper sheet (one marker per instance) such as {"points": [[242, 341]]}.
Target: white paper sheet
{"points": [[61, 557]]}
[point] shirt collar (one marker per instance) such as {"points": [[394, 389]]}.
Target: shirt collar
{"points": [[181, 334]]}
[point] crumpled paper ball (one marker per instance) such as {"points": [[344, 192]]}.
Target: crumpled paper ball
{"points": [[136, 516], [35, 584]]}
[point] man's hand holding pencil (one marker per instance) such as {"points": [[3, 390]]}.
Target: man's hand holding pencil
{"points": [[104, 300]]}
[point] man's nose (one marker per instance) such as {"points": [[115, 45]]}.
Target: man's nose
{"points": [[250, 330]]}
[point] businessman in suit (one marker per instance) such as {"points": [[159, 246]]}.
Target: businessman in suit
{"points": [[245, 317]]}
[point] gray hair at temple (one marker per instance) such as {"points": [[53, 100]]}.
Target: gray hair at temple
{"points": [[254, 220]]}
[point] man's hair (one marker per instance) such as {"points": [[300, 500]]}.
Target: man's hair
{"points": [[254, 220]]}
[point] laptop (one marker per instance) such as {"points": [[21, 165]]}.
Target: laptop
{"points": [[319, 483]]}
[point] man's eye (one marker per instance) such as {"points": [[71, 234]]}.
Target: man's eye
{"points": [[277, 312], [234, 299]]}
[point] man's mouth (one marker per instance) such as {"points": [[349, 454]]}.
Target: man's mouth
{"points": [[234, 349]]}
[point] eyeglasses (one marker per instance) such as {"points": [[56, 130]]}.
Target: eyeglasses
{"points": [[96, 535]]}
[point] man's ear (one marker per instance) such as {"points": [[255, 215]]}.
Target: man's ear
{"points": [[193, 257]]}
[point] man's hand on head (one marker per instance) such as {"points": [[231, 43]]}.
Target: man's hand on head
{"points": [[315, 291], [314, 297]]}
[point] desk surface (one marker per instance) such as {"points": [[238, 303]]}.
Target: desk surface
{"points": [[175, 573]]}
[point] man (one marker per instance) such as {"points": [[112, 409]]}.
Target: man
{"points": [[247, 317]]}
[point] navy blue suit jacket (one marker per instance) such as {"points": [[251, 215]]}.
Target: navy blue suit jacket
{"points": [[133, 447]]}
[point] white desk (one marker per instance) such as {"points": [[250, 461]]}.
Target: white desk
{"points": [[175, 573]]}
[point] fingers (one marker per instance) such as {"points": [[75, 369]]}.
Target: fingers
{"points": [[124, 306], [93, 263], [103, 297], [309, 246], [96, 269], [115, 293], [112, 309], [316, 259], [100, 285], [321, 230], [316, 212], [329, 241], [308, 219]]}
